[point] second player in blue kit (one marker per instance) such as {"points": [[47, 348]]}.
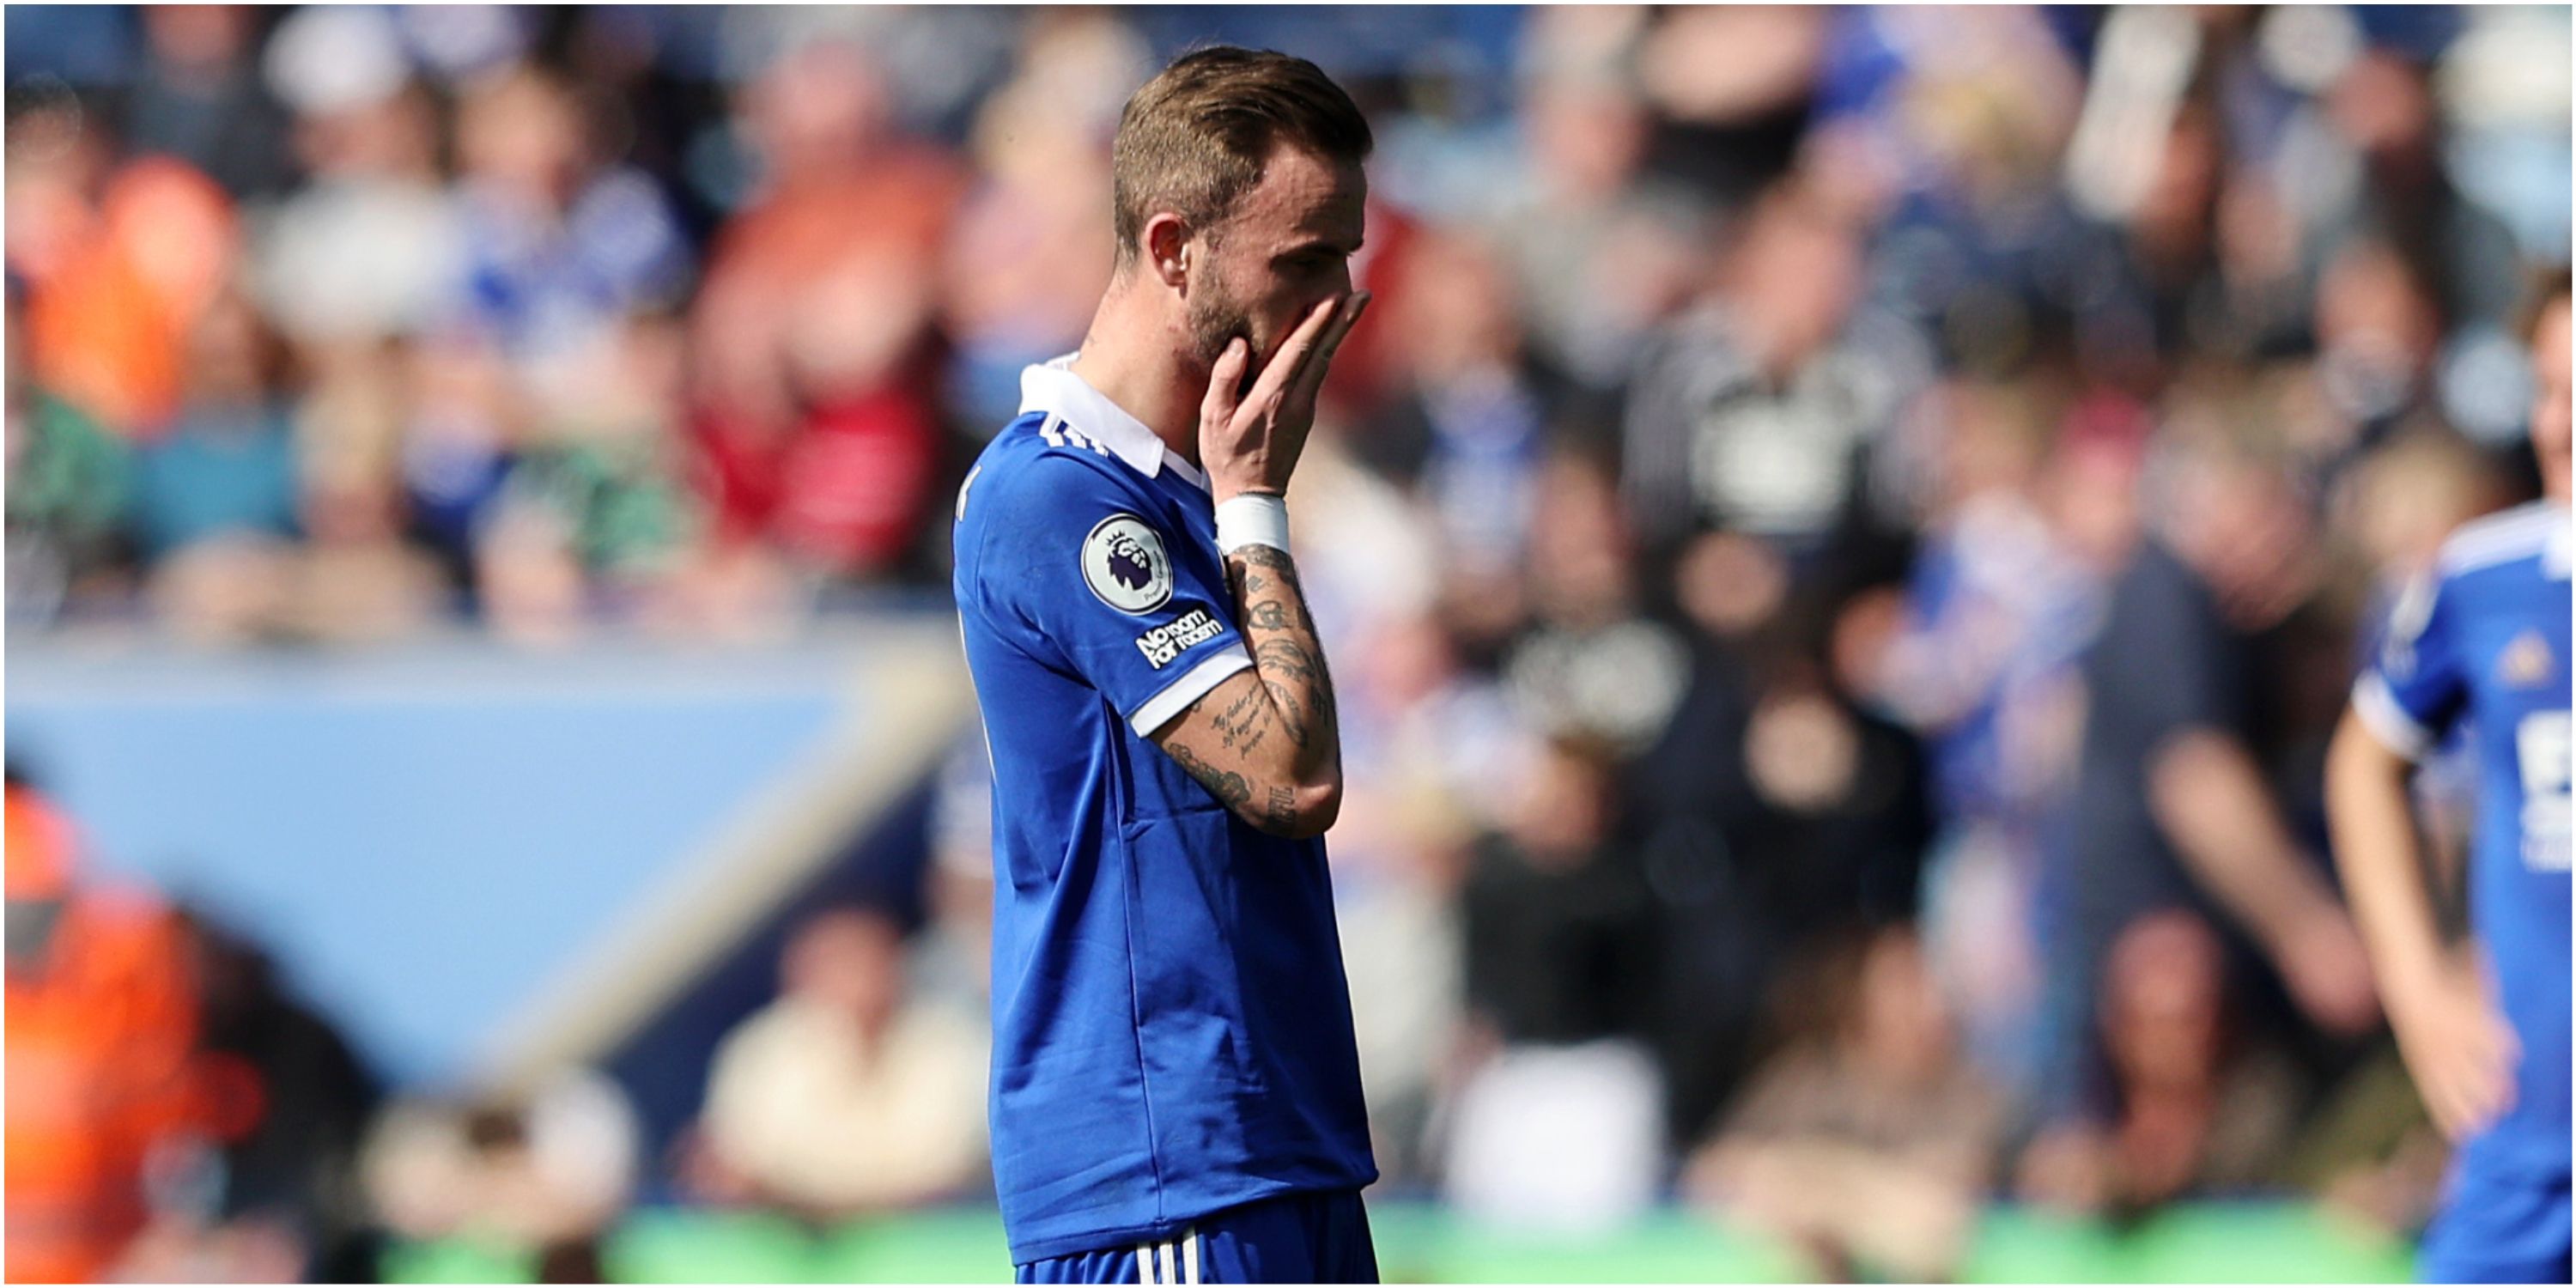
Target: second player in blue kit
{"points": [[1175, 1083], [2481, 643]]}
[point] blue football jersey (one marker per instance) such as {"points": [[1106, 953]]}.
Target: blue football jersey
{"points": [[1171, 1024], [2484, 640]]}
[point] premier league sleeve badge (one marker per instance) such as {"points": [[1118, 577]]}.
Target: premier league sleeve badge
{"points": [[1124, 563]]}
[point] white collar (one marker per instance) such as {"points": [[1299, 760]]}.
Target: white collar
{"points": [[1053, 387]]}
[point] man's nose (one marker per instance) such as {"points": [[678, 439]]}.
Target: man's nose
{"points": [[1338, 288]]}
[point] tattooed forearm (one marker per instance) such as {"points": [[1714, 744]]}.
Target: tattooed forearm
{"points": [[1287, 658], [1244, 724], [1281, 813], [1289, 785], [1257, 570], [1272, 608], [1292, 713], [1225, 785]]}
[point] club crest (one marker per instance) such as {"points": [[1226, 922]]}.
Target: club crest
{"points": [[2525, 663], [1124, 564]]}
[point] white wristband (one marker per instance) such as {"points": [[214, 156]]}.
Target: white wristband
{"points": [[1251, 520]]}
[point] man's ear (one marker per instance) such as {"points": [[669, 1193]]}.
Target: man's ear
{"points": [[1169, 256]]}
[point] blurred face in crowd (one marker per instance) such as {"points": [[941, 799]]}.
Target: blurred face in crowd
{"points": [[1802, 751], [523, 134], [396, 136], [197, 39], [851, 962], [2233, 509], [1285, 248], [2090, 491], [1904, 1024], [2161, 1001], [1580, 574], [1459, 310], [817, 109], [1798, 272], [227, 354], [2550, 393], [1585, 136], [2376, 321], [2384, 105], [1730, 583], [1564, 809], [2406, 499]]}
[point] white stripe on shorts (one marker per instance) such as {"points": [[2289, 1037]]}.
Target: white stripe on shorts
{"points": [[1144, 1263], [1190, 1257]]}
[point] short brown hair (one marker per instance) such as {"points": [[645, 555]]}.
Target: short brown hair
{"points": [[1194, 139]]}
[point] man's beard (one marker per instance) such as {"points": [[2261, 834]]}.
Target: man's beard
{"points": [[1215, 320]]}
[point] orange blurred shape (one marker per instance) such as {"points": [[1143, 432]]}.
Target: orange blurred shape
{"points": [[101, 1025], [107, 330], [40, 848]]}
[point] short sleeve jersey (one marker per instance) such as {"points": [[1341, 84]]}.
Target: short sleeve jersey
{"points": [[1171, 1023], [2483, 641]]}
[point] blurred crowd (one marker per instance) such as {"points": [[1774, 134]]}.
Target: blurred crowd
{"points": [[1843, 540]]}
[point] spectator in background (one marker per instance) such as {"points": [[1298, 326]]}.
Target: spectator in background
{"points": [[1563, 1124], [2195, 1101], [2379, 334], [1599, 252], [564, 466], [287, 1102], [117, 277], [371, 244], [1021, 270], [1982, 663], [215, 497], [560, 242], [201, 98], [1755, 410], [814, 380], [69, 484], [101, 1023], [2382, 108], [1693, 800], [1591, 663], [2189, 707], [359, 581], [845, 1097], [357, 266], [1423, 738], [1945, 127], [541, 1170], [1467, 419], [2401, 502], [1421, 742], [222, 496], [1868, 1143], [593, 522]]}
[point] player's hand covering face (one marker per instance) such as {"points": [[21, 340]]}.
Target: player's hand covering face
{"points": [[1284, 249], [1252, 444]]}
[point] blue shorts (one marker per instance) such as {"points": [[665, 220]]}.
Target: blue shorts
{"points": [[2498, 1230], [1316, 1238]]}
